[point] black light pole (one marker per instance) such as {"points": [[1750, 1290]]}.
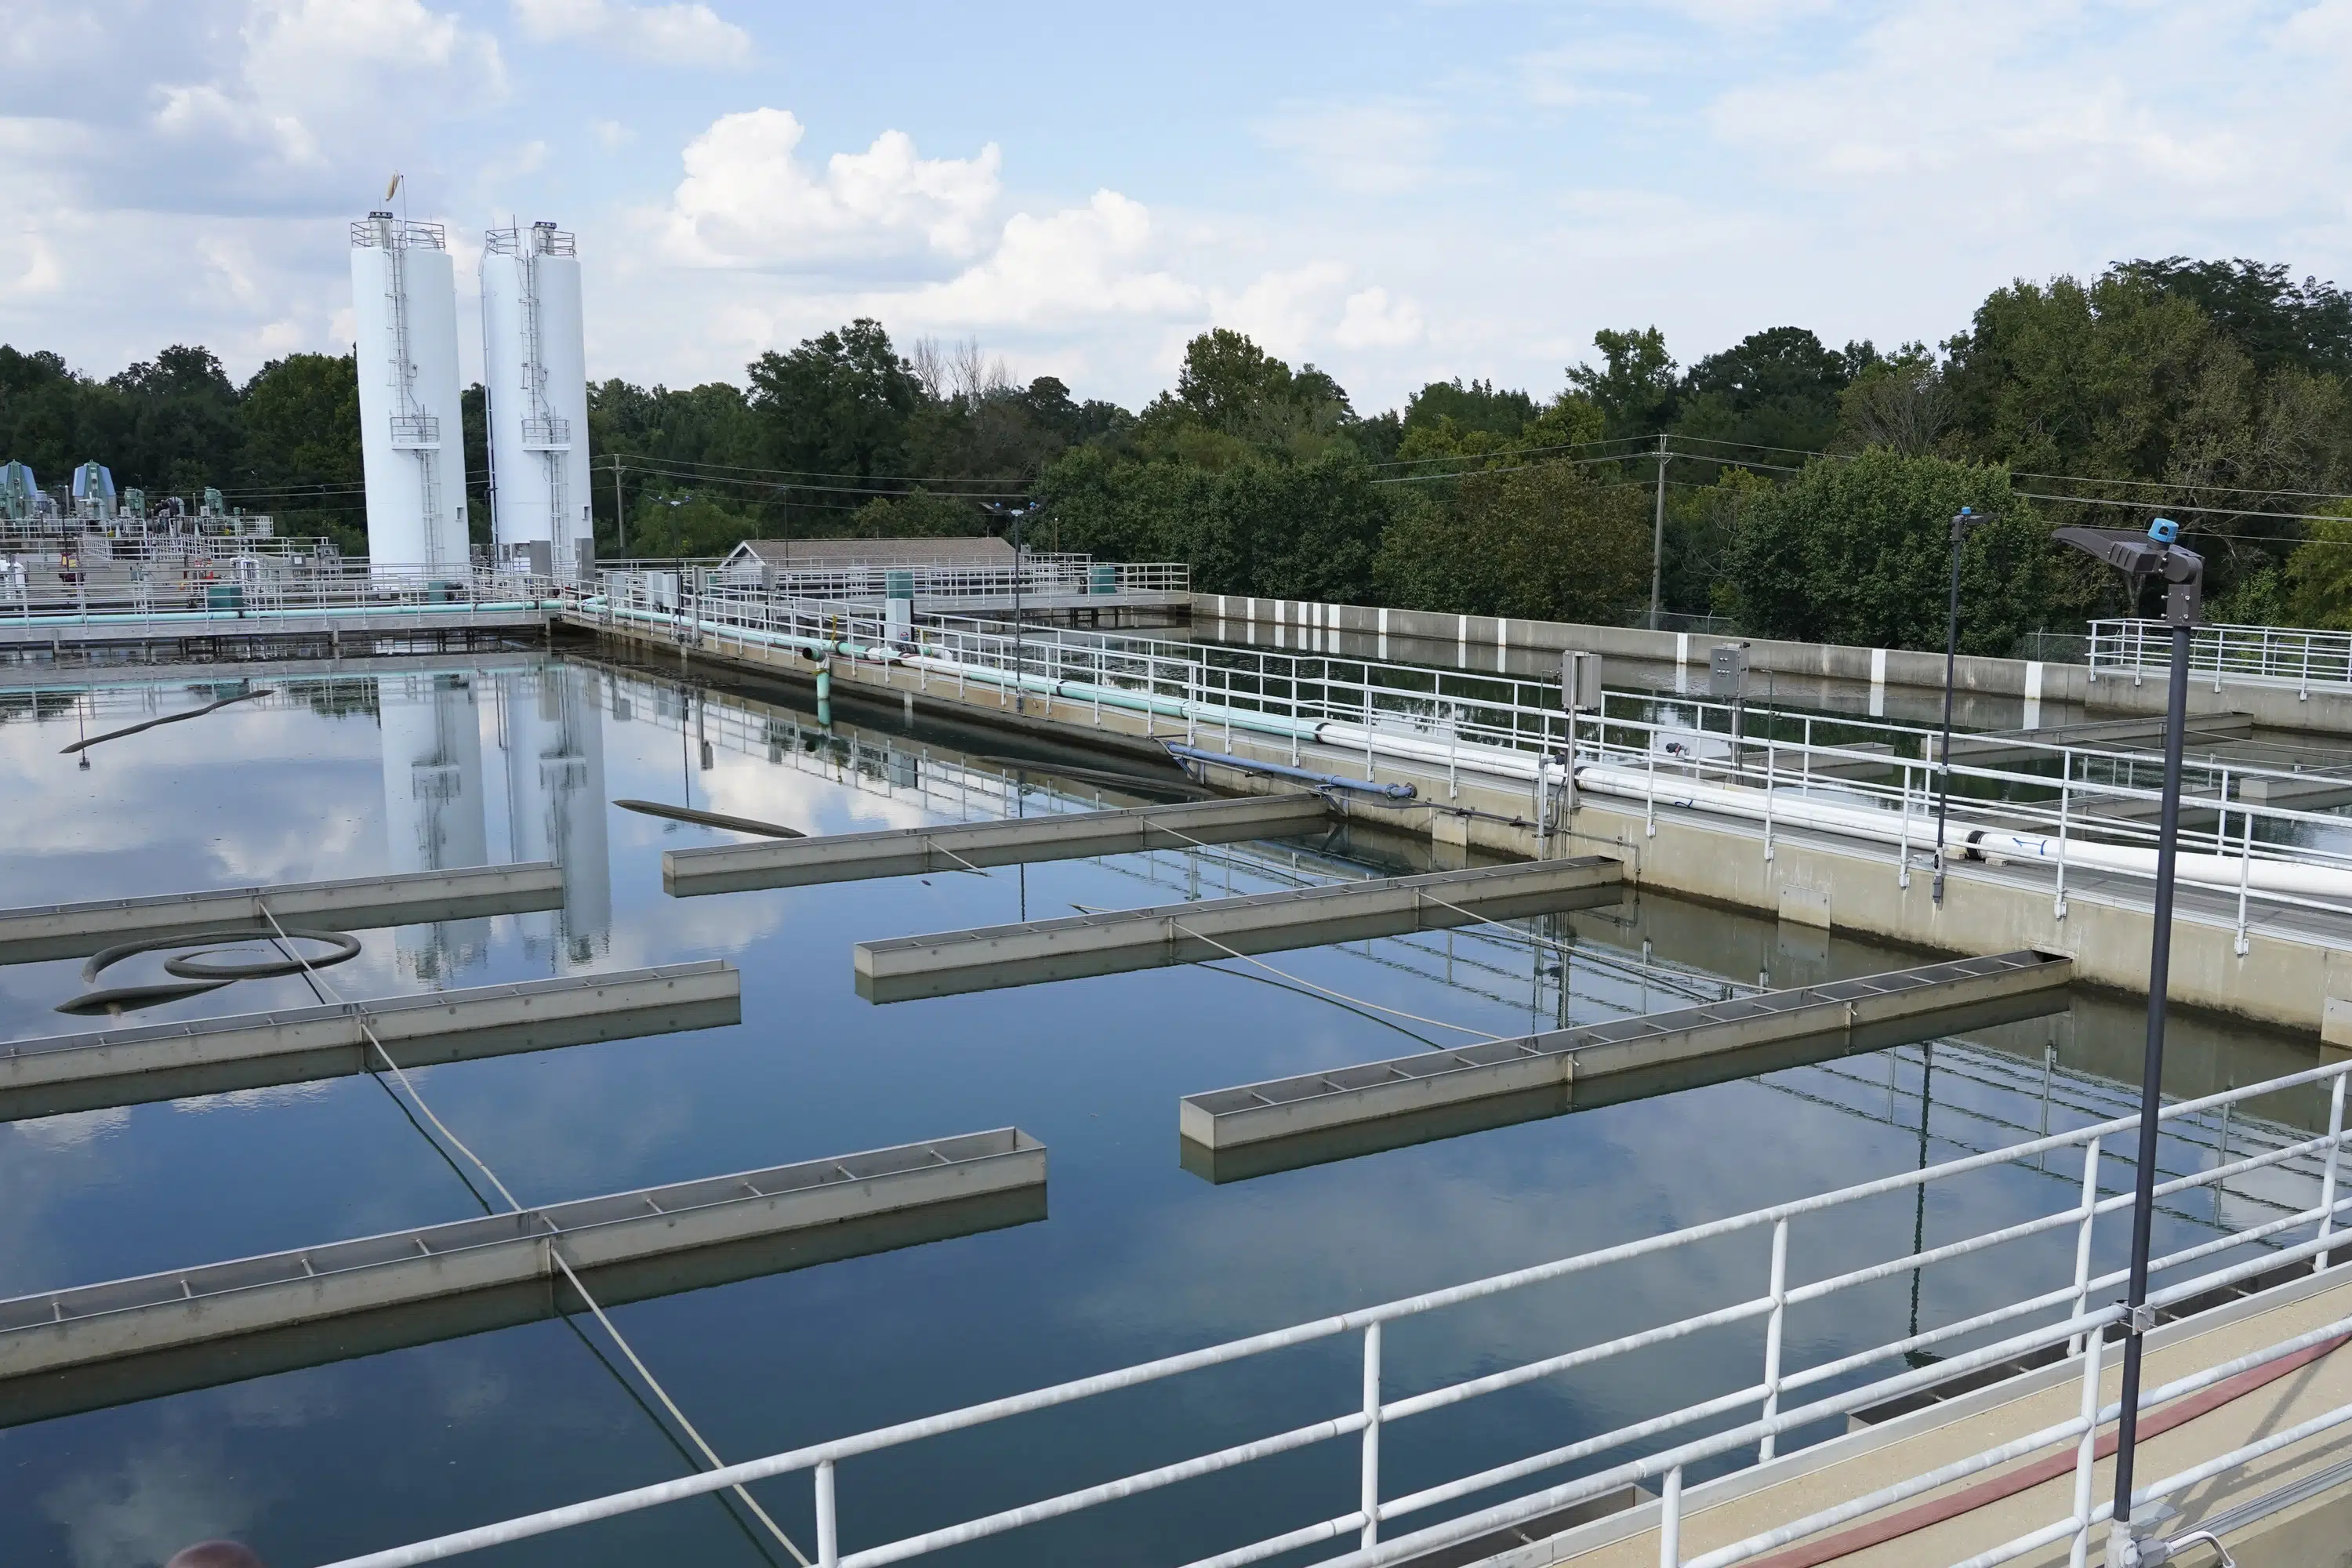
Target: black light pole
{"points": [[2144, 556], [1964, 520]]}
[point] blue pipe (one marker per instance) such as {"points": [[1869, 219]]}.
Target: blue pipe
{"points": [[1283, 771]]}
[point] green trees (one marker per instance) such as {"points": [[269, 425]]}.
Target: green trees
{"points": [[1270, 528], [1545, 542], [175, 420], [1251, 471], [1635, 387], [838, 406], [2222, 382], [1779, 389], [1859, 553], [2318, 575], [302, 417], [2216, 390], [1476, 407]]}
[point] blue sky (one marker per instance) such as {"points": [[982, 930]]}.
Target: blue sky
{"points": [[1394, 190]]}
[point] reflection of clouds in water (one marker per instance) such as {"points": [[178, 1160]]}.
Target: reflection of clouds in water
{"points": [[666, 932], [1377, 1228], [280, 1401], [39, 1170], [74, 1127], [527, 1123], [252, 1098], [144, 792], [161, 1497], [465, 1382], [770, 792]]}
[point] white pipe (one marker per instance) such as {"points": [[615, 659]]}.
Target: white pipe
{"points": [[1794, 808], [1996, 844]]}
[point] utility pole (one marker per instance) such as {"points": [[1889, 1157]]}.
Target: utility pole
{"points": [[1658, 535], [620, 519]]}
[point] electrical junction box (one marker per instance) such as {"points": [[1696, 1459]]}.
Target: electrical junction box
{"points": [[1580, 682], [1727, 668]]}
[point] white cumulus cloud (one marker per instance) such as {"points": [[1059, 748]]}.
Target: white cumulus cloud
{"points": [[748, 200], [1371, 320], [684, 35], [1093, 260], [310, 89]]}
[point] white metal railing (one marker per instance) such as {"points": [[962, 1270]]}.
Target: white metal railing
{"points": [[1788, 1397], [2074, 809], [2300, 656], [947, 579], [144, 597]]}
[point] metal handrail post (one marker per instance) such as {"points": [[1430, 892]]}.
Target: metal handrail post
{"points": [[2082, 1236], [1371, 1469], [1903, 852], [2245, 865], [1779, 1292], [1650, 795], [1670, 1520], [2086, 1448], [828, 1524], [1767, 796], [2065, 799], [2328, 1183]]}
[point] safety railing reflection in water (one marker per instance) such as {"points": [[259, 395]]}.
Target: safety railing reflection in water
{"points": [[1729, 1427]]}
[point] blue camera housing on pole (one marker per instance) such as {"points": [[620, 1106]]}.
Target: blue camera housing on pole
{"points": [[2164, 531]]}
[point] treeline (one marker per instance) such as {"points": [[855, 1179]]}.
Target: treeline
{"points": [[286, 442], [1805, 487]]}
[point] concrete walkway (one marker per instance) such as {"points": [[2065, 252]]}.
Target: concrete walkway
{"points": [[2315, 1531]]}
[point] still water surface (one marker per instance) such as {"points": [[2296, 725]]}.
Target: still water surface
{"points": [[515, 758]]}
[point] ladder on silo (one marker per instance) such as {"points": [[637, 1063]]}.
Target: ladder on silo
{"points": [[543, 432], [413, 429]]}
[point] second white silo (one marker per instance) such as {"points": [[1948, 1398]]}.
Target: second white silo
{"points": [[552, 728], [411, 429], [534, 365], [432, 807]]}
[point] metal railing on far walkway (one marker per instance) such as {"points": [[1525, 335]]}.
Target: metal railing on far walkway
{"points": [[2253, 832], [2047, 1244], [2300, 656]]}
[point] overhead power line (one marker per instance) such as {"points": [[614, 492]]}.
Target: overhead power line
{"points": [[2019, 473], [796, 475]]}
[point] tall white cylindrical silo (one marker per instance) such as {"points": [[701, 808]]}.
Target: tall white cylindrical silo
{"points": [[534, 364], [411, 431]]}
